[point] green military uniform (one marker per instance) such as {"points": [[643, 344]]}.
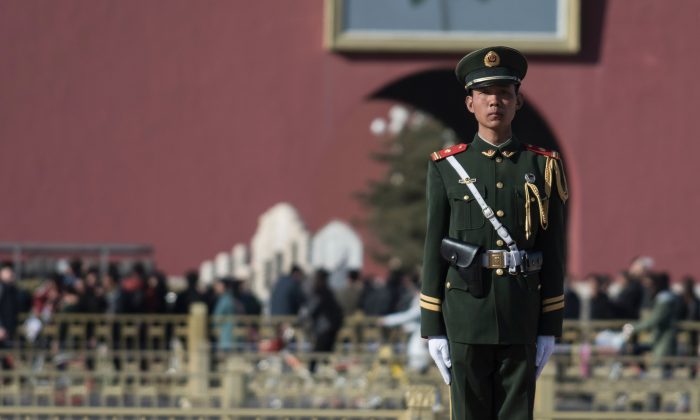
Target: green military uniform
{"points": [[492, 339]]}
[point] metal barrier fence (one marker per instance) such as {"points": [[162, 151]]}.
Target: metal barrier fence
{"points": [[204, 414], [158, 379], [70, 331], [166, 365], [359, 333]]}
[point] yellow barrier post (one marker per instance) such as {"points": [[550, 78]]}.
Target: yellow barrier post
{"points": [[544, 393], [694, 396], [420, 400], [198, 352], [234, 382]]}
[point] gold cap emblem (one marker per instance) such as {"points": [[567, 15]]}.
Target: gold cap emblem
{"points": [[491, 59]]}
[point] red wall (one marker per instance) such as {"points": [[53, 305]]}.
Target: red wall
{"points": [[177, 123]]}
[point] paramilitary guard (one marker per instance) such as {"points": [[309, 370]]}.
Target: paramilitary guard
{"points": [[494, 258]]}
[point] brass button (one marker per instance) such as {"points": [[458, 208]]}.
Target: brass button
{"points": [[500, 242], [448, 285], [466, 197], [500, 213], [499, 184], [532, 199], [499, 159], [499, 271]]}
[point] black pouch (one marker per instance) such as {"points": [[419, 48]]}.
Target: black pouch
{"points": [[466, 259]]}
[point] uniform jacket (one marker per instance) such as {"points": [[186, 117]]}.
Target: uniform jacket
{"points": [[516, 308]]}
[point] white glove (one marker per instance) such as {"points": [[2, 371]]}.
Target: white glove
{"points": [[439, 350], [545, 348]]}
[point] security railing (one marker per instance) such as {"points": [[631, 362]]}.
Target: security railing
{"points": [[144, 379], [170, 366], [358, 334], [71, 331]]}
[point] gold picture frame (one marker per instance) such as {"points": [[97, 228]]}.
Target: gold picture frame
{"points": [[566, 40]]}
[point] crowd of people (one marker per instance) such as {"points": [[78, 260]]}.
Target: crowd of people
{"points": [[322, 309], [647, 301], [77, 289]]}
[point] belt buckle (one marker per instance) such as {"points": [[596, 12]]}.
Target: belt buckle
{"points": [[496, 259]]}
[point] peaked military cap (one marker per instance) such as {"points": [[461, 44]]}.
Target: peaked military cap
{"points": [[491, 66]]}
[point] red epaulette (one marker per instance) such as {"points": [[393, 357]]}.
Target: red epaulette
{"points": [[542, 151], [453, 150]]}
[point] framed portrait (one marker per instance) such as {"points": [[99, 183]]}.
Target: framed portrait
{"points": [[444, 26]]}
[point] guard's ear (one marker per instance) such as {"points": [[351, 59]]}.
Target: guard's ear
{"points": [[519, 101], [469, 101]]}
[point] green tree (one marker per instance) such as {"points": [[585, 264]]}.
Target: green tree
{"points": [[396, 203]]}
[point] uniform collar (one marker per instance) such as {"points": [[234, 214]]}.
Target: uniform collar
{"points": [[509, 149]]}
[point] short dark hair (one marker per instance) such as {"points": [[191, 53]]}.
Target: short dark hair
{"points": [[659, 282], [192, 277], [296, 270]]}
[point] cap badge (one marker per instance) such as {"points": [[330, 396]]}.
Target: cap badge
{"points": [[491, 59]]}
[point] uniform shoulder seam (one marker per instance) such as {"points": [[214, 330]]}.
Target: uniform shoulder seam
{"points": [[448, 151]]}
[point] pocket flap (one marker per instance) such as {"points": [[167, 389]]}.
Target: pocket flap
{"points": [[458, 253], [463, 193]]}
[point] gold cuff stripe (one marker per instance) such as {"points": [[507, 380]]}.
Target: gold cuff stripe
{"points": [[430, 299], [552, 300], [553, 307], [430, 306]]}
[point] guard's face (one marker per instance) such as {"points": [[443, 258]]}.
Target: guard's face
{"points": [[494, 106]]}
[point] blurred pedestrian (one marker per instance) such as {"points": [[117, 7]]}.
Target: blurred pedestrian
{"points": [[112, 292], [690, 311], [661, 322], [288, 294], [92, 299], [400, 295], [189, 295], [324, 314], [223, 312], [247, 304], [154, 293], [690, 304], [250, 304], [349, 295], [629, 301], [601, 305], [572, 303], [9, 311], [376, 297], [409, 320], [132, 288]]}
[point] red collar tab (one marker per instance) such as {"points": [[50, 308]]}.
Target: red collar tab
{"points": [[453, 150], [543, 151]]}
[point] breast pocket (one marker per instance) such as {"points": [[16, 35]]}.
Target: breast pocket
{"points": [[521, 210], [466, 213]]}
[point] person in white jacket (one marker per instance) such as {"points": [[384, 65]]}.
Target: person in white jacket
{"points": [[409, 320]]}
